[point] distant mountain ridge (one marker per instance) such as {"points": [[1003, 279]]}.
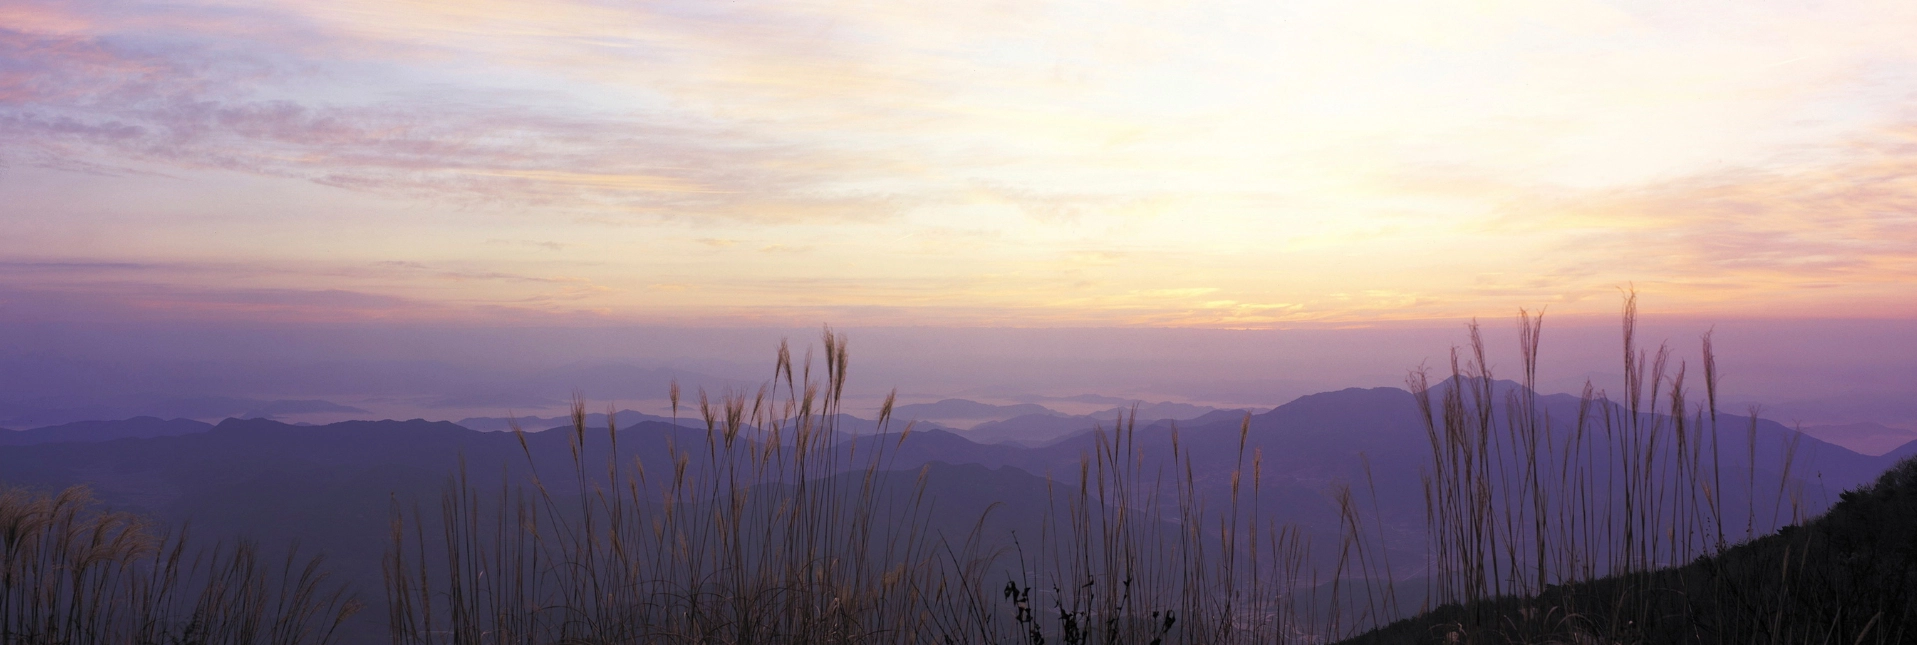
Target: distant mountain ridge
{"points": [[1039, 429], [42, 413], [333, 486], [1031, 424], [143, 427], [966, 409], [92, 431], [1865, 438], [595, 420]]}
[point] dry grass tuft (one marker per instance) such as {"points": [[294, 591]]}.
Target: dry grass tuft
{"points": [[71, 573]]}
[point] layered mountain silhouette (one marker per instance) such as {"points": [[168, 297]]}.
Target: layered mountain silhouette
{"points": [[963, 409], [1866, 438], [1031, 424], [43, 411], [91, 431], [1042, 429], [334, 487]]}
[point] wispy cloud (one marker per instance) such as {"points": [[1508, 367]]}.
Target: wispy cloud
{"points": [[122, 300], [1842, 217], [1051, 162], [67, 99]]}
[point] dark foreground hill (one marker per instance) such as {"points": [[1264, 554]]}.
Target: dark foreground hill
{"points": [[1848, 576]]}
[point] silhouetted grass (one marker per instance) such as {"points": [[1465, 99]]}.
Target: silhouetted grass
{"points": [[1614, 526], [1616, 529], [73, 574], [770, 528], [1849, 576]]}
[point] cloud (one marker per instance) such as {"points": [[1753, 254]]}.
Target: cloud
{"points": [[82, 166], [457, 275], [73, 267], [68, 101], [1048, 161], [547, 244], [122, 300], [502, 400], [1096, 257], [287, 293], [1845, 220]]}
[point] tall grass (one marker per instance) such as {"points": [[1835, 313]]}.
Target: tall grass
{"points": [[771, 526], [1614, 525], [72, 573]]}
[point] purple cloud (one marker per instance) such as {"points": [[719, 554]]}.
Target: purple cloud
{"points": [[69, 101]]}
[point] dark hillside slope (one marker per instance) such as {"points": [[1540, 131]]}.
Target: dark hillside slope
{"points": [[1903, 452], [1848, 576]]}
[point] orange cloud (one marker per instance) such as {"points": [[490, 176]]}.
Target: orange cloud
{"points": [[1844, 226], [1044, 163]]}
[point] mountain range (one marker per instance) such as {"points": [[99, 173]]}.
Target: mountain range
{"points": [[333, 487]]}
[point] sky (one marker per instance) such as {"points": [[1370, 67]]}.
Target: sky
{"points": [[1235, 165], [1172, 168]]}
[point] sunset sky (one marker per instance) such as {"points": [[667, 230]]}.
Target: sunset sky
{"points": [[1029, 163]]}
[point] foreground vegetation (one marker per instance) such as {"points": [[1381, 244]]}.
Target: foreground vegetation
{"points": [[1620, 530], [73, 573], [773, 530], [1849, 576]]}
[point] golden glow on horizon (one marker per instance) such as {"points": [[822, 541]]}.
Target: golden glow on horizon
{"points": [[1018, 163]]}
